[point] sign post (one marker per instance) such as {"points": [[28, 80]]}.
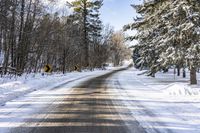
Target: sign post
{"points": [[75, 68]]}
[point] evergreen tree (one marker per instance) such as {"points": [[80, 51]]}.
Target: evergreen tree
{"points": [[88, 14], [168, 34]]}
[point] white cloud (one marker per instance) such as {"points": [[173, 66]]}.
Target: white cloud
{"points": [[59, 2]]}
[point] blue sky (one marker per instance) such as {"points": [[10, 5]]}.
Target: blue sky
{"points": [[118, 12]]}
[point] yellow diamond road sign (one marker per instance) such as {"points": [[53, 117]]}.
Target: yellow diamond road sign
{"points": [[47, 68]]}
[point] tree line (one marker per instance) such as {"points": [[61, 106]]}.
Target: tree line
{"points": [[31, 37]]}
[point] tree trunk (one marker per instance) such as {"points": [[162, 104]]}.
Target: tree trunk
{"points": [[85, 35], [193, 78], [6, 54], [13, 37], [20, 43], [178, 71], [64, 60], [174, 70], [184, 73]]}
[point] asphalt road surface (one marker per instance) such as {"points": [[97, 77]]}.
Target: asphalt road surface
{"points": [[90, 107]]}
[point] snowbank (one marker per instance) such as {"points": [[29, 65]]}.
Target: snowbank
{"points": [[183, 90], [16, 87]]}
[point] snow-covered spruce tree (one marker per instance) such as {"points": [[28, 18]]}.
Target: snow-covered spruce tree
{"points": [[168, 34], [183, 23], [150, 27]]}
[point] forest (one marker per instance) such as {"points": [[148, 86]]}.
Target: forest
{"points": [[32, 35]]}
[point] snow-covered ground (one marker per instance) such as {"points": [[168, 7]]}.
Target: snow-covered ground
{"points": [[11, 88], [164, 104]]}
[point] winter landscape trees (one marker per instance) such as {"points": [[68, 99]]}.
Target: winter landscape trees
{"points": [[168, 35], [87, 13], [32, 36]]}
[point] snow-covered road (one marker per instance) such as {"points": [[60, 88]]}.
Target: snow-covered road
{"points": [[24, 97], [103, 102], [88, 106]]}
